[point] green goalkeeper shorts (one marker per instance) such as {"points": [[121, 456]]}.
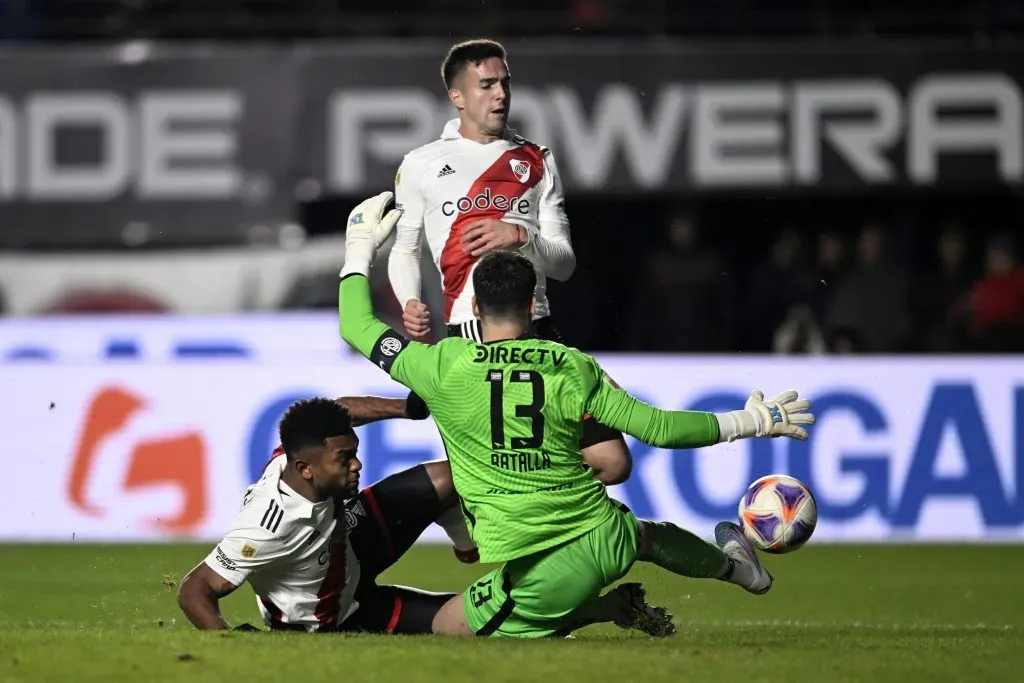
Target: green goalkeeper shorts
{"points": [[535, 596]]}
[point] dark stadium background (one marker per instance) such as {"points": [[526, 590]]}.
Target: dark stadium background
{"points": [[749, 242]]}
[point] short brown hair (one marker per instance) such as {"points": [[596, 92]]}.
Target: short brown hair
{"points": [[470, 52], [503, 282]]}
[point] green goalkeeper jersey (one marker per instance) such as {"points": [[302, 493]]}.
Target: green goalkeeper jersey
{"points": [[510, 414]]}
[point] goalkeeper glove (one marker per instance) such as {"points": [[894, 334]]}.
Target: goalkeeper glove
{"points": [[780, 417], [369, 226]]}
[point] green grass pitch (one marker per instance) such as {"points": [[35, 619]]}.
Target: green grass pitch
{"points": [[77, 613]]}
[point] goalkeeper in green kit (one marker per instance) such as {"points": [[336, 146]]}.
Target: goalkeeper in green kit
{"points": [[510, 412]]}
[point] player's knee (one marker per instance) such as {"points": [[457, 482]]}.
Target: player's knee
{"points": [[450, 620], [625, 460], [440, 473], [611, 460]]}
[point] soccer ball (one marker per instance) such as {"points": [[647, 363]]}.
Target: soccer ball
{"points": [[778, 514]]}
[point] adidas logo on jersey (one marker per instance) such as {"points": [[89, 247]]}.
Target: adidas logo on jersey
{"points": [[447, 170], [272, 517]]}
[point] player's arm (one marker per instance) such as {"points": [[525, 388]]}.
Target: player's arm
{"points": [[620, 410], [404, 264], [368, 409], [404, 261], [611, 405], [411, 363], [199, 597], [239, 554], [550, 244]]}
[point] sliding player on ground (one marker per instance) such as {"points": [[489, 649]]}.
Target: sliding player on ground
{"points": [[312, 545], [312, 548]]}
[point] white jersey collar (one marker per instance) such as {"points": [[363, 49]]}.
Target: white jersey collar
{"points": [[451, 131], [296, 503]]}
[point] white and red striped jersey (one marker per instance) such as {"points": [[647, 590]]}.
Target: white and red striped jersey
{"points": [[447, 184], [294, 553]]}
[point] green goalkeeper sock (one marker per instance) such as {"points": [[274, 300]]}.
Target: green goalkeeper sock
{"points": [[686, 554]]}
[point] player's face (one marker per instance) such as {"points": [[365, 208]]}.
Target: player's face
{"points": [[483, 96], [336, 471]]}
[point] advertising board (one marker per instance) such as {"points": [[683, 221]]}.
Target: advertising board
{"points": [[157, 446]]}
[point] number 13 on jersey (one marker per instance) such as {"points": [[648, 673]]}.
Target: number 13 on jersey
{"points": [[530, 412]]}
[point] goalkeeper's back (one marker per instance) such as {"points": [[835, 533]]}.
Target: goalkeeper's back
{"points": [[510, 414]]}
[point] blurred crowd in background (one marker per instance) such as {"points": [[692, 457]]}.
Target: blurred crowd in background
{"points": [[831, 275], [228, 19], [750, 271], [844, 282]]}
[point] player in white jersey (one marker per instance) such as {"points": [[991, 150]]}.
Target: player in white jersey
{"points": [[469, 198], [312, 552], [479, 188], [310, 547]]}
